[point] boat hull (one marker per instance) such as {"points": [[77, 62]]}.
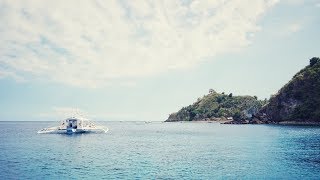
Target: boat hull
{"points": [[74, 131]]}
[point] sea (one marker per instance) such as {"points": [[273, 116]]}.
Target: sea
{"points": [[158, 150]]}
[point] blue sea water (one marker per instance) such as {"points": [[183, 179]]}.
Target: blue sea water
{"points": [[138, 150]]}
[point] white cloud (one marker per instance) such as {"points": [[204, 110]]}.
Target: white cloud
{"points": [[294, 2], [60, 113], [4, 73], [294, 27], [63, 112], [96, 43]]}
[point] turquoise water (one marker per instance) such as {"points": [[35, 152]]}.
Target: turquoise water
{"points": [[138, 150]]}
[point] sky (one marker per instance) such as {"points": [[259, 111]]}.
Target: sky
{"points": [[142, 60]]}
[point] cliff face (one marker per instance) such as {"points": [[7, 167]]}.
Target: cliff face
{"points": [[215, 105], [297, 102], [299, 99]]}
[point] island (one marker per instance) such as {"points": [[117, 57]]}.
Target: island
{"points": [[297, 102]]}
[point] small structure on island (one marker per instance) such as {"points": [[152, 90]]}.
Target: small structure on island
{"points": [[230, 118], [211, 91]]}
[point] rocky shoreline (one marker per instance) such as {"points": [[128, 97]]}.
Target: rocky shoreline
{"points": [[302, 123], [254, 121], [208, 120]]}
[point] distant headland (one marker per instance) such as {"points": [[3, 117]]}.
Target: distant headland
{"points": [[297, 102]]}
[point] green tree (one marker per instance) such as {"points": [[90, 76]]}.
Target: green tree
{"points": [[314, 61], [237, 115]]}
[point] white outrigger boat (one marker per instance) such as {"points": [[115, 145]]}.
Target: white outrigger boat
{"points": [[74, 125]]}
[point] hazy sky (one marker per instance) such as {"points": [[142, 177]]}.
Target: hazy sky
{"points": [[141, 60]]}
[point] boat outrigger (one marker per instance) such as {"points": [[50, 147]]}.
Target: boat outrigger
{"points": [[74, 125]]}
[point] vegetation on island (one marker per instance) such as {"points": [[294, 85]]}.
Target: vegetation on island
{"points": [[219, 105], [297, 101]]}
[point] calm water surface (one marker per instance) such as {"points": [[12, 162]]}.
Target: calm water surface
{"points": [[138, 150]]}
